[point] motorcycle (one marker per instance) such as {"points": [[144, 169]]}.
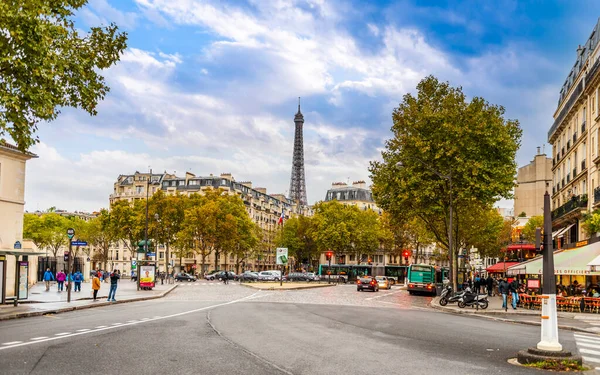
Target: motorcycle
{"points": [[448, 296], [472, 299]]}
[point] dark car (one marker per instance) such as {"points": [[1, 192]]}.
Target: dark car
{"points": [[230, 275], [182, 276], [248, 276], [368, 283]]}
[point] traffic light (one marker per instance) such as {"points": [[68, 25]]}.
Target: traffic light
{"points": [[329, 255], [539, 247]]}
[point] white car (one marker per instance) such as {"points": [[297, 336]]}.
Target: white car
{"points": [[383, 282], [269, 276]]}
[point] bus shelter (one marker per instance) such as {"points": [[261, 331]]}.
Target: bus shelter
{"points": [[21, 274]]}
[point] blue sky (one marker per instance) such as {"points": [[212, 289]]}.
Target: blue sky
{"points": [[212, 86]]}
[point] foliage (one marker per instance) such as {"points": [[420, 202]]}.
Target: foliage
{"points": [[591, 223], [47, 63], [523, 214], [101, 234], [445, 152], [129, 222], [557, 365], [530, 227], [297, 235], [166, 215], [47, 231]]}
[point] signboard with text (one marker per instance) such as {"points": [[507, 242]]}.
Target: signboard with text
{"points": [[23, 279], [282, 255], [147, 276]]}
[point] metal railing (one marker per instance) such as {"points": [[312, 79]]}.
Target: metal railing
{"points": [[576, 202]]}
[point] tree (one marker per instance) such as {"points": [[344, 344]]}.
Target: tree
{"points": [[166, 216], [55, 229], [446, 153], [47, 64], [102, 234], [522, 214], [532, 224], [33, 229], [297, 236], [129, 222], [591, 224]]}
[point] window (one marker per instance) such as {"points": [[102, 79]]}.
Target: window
{"points": [[194, 183], [584, 186], [181, 183], [139, 189], [583, 151], [584, 115], [117, 255], [161, 255], [594, 104]]}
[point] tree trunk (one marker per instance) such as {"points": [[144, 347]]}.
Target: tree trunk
{"points": [[167, 259]]}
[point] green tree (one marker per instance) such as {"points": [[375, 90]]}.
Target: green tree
{"points": [[446, 153], [297, 235], [55, 229], [129, 223], [591, 223], [530, 227], [102, 232], [166, 216], [47, 64], [33, 229]]}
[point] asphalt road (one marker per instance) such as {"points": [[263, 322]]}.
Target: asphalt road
{"points": [[218, 329]]}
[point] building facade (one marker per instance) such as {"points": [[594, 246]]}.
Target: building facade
{"points": [[357, 194], [574, 137], [532, 182], [12, 203]]}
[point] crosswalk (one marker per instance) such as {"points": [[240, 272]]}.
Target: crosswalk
{"points": [[589, 348], [195, 284]]}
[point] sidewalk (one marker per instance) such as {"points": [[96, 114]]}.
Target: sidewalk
{"points": [[574, 321], [41, 302]]}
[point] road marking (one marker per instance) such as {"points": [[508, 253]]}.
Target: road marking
{"points": [[584, 342], [12, 342], [83, 330], [590, 359], [62, 333], [382, 295], [131, 321], [589, 351], [146, 319], [595, 346], [36, 340]]}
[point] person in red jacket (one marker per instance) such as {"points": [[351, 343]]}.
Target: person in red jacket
{"points": [[60, 279]]}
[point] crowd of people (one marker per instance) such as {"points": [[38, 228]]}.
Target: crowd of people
{"points": [[98, 276]]}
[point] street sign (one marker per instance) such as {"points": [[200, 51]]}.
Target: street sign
{"points": [[151, 254], [79, 243], [133, 262], [282, 255], [70, 233], [17, 246]]}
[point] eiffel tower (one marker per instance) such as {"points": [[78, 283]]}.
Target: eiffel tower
{"points": [[298, 183]]}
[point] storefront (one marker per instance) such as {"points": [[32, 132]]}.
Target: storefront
{"points": [[570, 266]]}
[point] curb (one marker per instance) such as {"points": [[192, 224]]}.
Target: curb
{"points": [[99, 304], [489, 315], [291, 289]]}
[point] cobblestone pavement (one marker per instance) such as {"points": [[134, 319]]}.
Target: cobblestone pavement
{"points": [[336, 295]]}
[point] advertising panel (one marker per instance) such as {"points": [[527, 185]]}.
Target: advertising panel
{"points": [[23, 278], [147, 276]]}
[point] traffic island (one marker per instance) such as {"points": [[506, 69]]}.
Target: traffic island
{"points": [[285, 286], [550, 360]]}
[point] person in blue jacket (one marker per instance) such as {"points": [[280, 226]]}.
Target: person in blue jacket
{"points": [[48, 276], [77, 279]]}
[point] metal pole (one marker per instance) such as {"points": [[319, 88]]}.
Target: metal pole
{"points": [[69, 270], [16, 302], [453, 270], [329, 272]]}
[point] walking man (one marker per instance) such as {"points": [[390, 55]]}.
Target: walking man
{"points": [[513, 288], [114, 277], [490, 285], [96, 285], [503, 290], [48, 276], [77, 279], [60, 278]]}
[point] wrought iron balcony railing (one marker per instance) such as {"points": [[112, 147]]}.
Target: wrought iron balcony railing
{"points": [[576, 202]]}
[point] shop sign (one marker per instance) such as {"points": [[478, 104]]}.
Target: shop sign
{"points": [[568, 272], [581, 243]]}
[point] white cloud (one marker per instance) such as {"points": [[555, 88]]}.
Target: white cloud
{"points": [[100, 12]]}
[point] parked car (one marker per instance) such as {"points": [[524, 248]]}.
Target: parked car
{"points": [[269, 276], [210, 275], [248, 276], [230, 275], [368, 282], [313, 276], [298, 276], [383, 282], [182, 276]]}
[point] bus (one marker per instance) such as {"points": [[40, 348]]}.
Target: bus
{"points": [[395, 273], [344, 272], [425, 278]]}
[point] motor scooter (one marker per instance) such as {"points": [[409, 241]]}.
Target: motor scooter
{"points": [[473, 299], [448, 296]]}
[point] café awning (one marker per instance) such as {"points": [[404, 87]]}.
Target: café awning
{"points": [[500, 267], [561, 232], [566, 262], [594, 265]]}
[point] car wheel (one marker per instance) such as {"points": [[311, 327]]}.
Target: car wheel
{"points": [[358, 289], [411, 292]]}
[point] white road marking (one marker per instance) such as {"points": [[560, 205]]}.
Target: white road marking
{"points": [[382, 295], [590, 359], [145, 319], [131, 321], [587, 345], [83, 330], [36, 340], [584, 343], [589, 351], [62, 333], [12, 342]]}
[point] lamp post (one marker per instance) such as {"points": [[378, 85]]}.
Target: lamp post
{"points": [[448, 178]]}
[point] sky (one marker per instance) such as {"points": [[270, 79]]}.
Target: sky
{"points": [[212, 87]]}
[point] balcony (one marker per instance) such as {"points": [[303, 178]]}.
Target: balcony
{"points": [[582, 165], [573, 206], [582, 126]]}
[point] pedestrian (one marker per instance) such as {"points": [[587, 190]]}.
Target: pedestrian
{"points": [[503, 290], [513, 288], [477, 284], [60, 279], [96, 285], [114, 278], [77, 279], [162, 278], [106, 276], [490, 285], [48, 276], [225, 277]]}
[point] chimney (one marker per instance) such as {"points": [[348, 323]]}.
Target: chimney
{"points": [[579, 49], [538, 150]]}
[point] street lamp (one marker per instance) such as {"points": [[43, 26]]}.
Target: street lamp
{"points": [[447, 177]]}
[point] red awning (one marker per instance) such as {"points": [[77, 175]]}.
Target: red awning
{"points": [[500, 266], [525, 246]]}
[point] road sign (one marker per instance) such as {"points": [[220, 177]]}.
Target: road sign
{"points": [[17, 246], [151, 254], [79, 243], [70, 233], [282, 255]]}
